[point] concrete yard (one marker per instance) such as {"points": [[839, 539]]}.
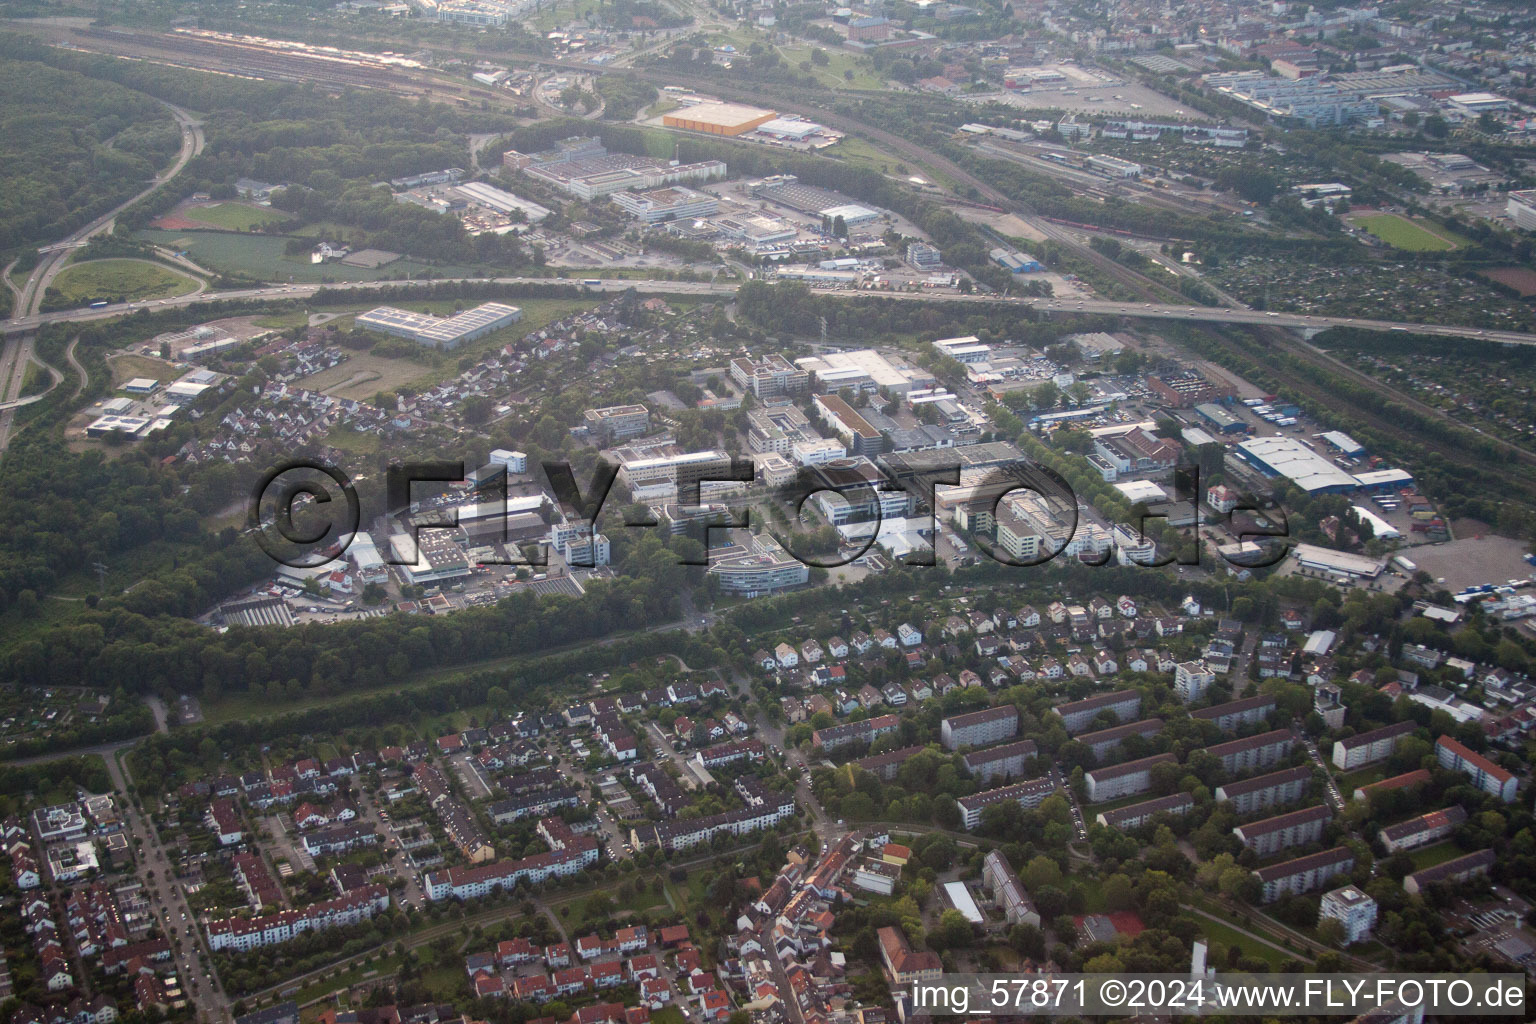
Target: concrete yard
{"points": [[1472, 558]]}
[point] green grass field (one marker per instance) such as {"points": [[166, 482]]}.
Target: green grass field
{"points": [[118, 281], [36, 381], [127, 367], [833, 74], [1439, 853], [1402, 233], [1351, 781], [1225, 936], [234, 216], [263, 257]]}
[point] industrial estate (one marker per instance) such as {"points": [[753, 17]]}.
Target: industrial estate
{"points": [[721, 513]]}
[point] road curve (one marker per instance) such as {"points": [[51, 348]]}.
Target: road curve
{"points": [[29, 297]]}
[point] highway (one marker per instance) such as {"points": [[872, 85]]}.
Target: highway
{"points": [[726, 289], [147, 44], [57, 255], [17, 351]]}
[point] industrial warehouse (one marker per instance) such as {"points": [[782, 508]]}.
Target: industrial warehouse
{"points": [[729, 119], [440, 332]]}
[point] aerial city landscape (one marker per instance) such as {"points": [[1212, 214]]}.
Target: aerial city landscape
{"points": [[727, 511]]}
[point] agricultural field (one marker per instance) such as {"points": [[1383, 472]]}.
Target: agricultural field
{"points": [[1402, 233], [118, 280], [1521, 279]]}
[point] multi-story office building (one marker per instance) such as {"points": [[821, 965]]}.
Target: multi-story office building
{"points": [[754, 565], [852, 429], [770, 377], [656, 206], [778, 429], [670, 475], [618, 422]]}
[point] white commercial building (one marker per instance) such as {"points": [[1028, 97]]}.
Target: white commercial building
{"points": [[1290, 458], [503, 201], [676, 202], [440, 332], [1521, 208]]}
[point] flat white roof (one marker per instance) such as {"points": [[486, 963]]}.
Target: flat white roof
{"points": [[1384, 476], [865, 360], [1382, 529], [1343, 442], [486, 509], [1316, 557], [1140, 490], [960, 896], [850, 212], [431, 328], [790, 127], [1296, 462], [672, 460], [717, 112]]}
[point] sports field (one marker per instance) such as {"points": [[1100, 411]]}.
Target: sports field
{"points": [[118, 281], [1402, 233], [234, 216], [264, 258]]}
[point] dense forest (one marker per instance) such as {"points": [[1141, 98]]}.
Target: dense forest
{"points": [[331, 148], [71, 148]]}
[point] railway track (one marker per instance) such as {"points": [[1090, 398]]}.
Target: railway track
{"points": [[258, 62], [1518, 477], [247, 60]]}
